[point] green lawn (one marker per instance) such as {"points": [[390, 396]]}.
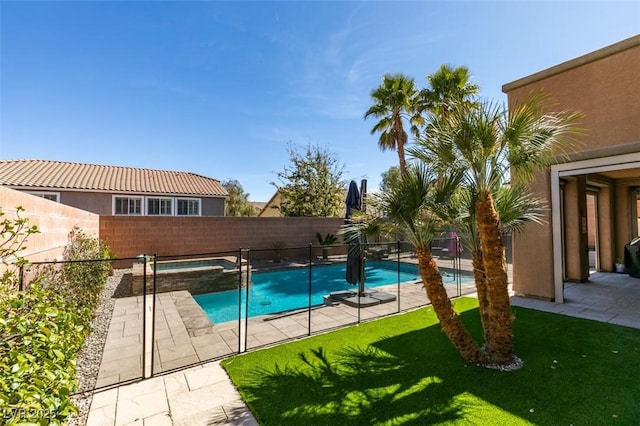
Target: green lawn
{"points": [[403, 370]]}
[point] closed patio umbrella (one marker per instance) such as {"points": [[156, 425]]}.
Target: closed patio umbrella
{"points": [[352, 201], [355, 260]]}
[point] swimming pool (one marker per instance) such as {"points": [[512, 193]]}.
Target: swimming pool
{"points": [[272, 292]]}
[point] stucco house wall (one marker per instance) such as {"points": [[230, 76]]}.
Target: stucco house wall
{"points": [[605, 87], [102, 203]]}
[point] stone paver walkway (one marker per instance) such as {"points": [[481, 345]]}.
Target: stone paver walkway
{"points": [[201, 395], [606, 297]]}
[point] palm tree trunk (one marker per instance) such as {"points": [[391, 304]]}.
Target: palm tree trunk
{"points": [[481, 286], [401, 141], [500, 345], [401, 157], [449, 319]]}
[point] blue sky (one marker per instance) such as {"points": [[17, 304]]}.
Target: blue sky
{"points": [[222, 89]]}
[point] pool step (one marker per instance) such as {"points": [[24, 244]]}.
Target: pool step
{"points": [[194, 318], [351, 298]]}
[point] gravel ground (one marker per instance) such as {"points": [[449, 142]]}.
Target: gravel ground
{"points": [[88, 360]]}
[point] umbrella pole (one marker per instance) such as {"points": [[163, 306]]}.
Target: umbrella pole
{"points": [[361, 292], [362, 239]]}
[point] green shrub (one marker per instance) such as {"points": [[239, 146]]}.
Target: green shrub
{"points": [[278, 246], [13, 234], [85, 279], [39, 339], [42, 329], [327, 240]]}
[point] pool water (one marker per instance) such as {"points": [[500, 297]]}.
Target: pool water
{"points": [[284, 290]]}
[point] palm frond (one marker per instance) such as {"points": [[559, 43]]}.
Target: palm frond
{"points": [[537, 137], [516, 207]]}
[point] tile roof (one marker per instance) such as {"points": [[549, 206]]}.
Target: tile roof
{"points": [[45, 174]]}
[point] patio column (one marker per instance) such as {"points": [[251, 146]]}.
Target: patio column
{"points": [[575, 228]]}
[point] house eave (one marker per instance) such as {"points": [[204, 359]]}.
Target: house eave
{"points": [[573, 63], [111, 192]]}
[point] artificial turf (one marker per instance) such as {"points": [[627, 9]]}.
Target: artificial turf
{"points": [[402, 370]]}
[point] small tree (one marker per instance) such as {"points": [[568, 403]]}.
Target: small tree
{"points": [[312, 185], [86, 270], [238, 202], [389, 178], [13, 234], [278, 247]]}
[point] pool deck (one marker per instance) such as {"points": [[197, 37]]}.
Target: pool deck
{"points": [[204, 395], [184, 336]]}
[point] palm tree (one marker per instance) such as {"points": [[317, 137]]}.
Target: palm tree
{"points": [[515, 206], [411, 206], [448, 87], [491, 145], [395, 99]]}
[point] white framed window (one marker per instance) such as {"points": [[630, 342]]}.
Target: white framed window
{"points": [[188, 207], [159, 206], [156, 206], [51, 196], [127, 205]]}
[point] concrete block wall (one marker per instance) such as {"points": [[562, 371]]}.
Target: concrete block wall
{"points": [[166, 236], [54, 220], [169, 236]]}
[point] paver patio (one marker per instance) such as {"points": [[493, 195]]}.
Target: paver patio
{"points": [[184, 336]]}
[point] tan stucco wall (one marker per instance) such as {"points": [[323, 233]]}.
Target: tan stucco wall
{"points": [[54, 220], [605, 87], [531, 249], [622, 219], [98, 203], [606, 227], [591, 213], [605, 90], [575, 229]]}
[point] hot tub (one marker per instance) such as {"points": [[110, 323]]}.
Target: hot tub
{"points": [[198, 276]]}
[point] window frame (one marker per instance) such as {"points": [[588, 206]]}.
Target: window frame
{"points": [[129, 198], [43, 194], [198, 200], [144, 205], [172, 205]]}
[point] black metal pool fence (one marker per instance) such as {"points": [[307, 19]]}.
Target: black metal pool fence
{"points": [[156, 329]]}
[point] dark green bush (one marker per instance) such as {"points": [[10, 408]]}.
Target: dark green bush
{"points": [[85, 270]]}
